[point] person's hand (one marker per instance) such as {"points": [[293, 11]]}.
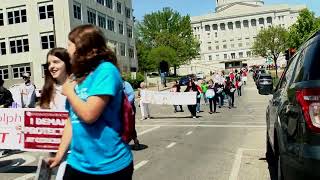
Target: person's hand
{"points": [[53, 161], [68, 87]]}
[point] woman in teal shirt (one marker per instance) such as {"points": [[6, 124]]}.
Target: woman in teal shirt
{"points": [[94, 98]]}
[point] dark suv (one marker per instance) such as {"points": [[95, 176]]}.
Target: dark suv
{"points": [[293, 116]]}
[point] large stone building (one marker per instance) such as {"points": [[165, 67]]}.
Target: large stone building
{"points": [[227, 35], [27, 32]]}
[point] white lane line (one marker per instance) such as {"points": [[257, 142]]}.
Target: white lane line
{"points": [[28, 176], [148, 130], [236, 165], [188, 133], [171, 145], [140, 164], [205, 125]]}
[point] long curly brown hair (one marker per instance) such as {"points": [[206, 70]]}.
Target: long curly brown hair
{"points": [[48, 87], [91, 50]]}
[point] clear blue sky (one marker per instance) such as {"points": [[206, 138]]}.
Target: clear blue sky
{"points": [[200, 7]]}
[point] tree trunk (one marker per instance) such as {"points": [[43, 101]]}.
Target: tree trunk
{"points": [[175, 70], [275, 63]]}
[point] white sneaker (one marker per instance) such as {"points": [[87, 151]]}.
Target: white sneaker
{"points": [[194, 117], [143, 119]]}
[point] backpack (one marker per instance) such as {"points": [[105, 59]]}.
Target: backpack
{"points": [[128, 121]]}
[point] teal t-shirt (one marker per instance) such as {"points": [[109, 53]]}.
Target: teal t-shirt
{"points": [[98, 148]]}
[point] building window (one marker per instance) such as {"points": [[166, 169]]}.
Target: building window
{"points": [[245, 23], [18, 70], [131, 52], [19, 44], [240, 44], [215, 34], [122, 49], [17, 15], [120, 26], [253, 22], [225, 56], [77, 10], [233, 55], [261, 21], [47, 40], [217, 47], [224, 46], [210, 57], [222, 26], [215, 27], [109, 4], [128, 12], [102, 20], [248, 53], [269, 20], [232, 45], [45, 10], [110, 22], [119, 7], [238, 24], [247, 44], [129, 31], [230, 25], [217, 57], [4, 72], [240, 54], [92, 16], [100, 2], [209, 48], [3, 49], [1, 18], [207, 28]]}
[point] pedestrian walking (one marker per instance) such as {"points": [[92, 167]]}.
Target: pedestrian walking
{"points": [[211, 95], [28, 92], [94, 101], [192, 87], [204, 88], [199, 96], [176, 88], [128, 90], [229, 90], [238, 84], [58, 70], [144, 107]]}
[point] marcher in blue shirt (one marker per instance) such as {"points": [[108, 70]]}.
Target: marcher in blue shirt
{"points": [[94, 98], [128, 90]]}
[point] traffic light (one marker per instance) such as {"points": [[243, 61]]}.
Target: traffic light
{"points": [[287, 54]]}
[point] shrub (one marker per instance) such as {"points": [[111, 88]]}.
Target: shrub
{"points": [[135, 83]]}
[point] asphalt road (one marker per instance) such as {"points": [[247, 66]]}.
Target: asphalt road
{"points": [[227, 145]]}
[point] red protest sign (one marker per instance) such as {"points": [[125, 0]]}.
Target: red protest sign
{"points": [[43, 130]]}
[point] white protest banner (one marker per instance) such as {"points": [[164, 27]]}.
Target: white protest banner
{"points": [[169, 98], [31, 129], [11, 136]]}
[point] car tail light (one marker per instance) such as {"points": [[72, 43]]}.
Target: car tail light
{"points": [[309, 100]]}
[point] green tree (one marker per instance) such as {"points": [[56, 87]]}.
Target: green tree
{"points": [[271, 42], [306, 25], [162, 53], [168, 28]]}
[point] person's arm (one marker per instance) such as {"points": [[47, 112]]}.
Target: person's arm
{"points": [[88, 111], [64, 145], [129, 91]]}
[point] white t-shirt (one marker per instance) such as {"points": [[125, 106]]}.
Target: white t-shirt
{"points": [[28, 95], [59, 100]]}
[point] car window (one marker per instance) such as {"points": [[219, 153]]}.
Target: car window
{"points": [[310, 67], [287, 78]]}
